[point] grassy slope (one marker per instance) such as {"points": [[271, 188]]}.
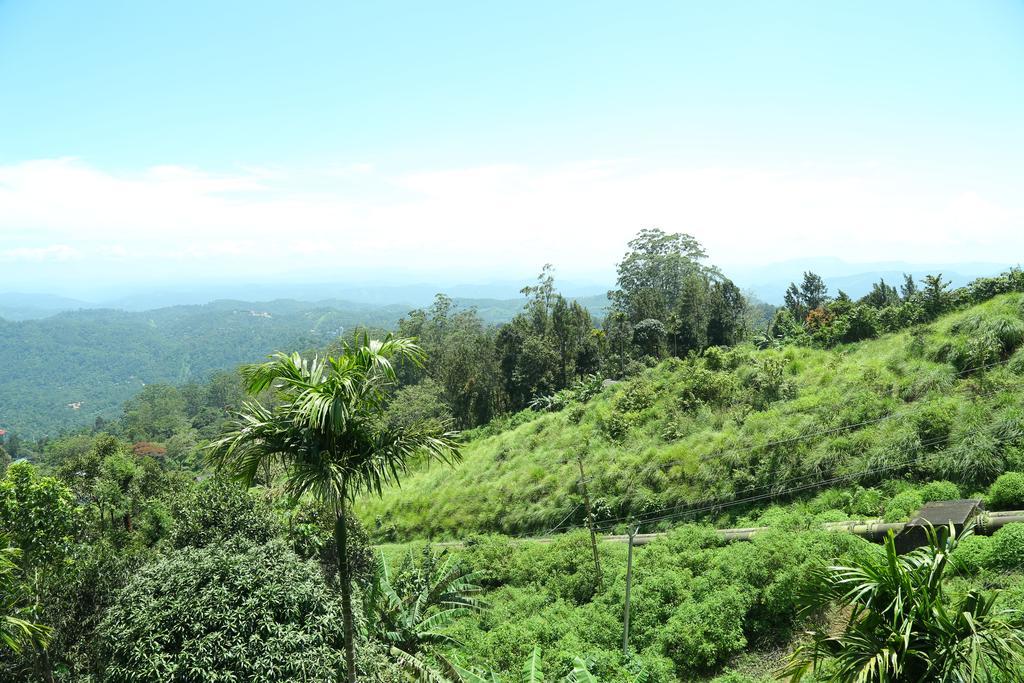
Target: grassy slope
{"points": [[683, 432]]}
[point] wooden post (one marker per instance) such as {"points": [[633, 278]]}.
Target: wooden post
{"points": [[629, 584], [590, 521]]}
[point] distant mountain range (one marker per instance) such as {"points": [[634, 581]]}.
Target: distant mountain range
{"points": [[767, 282]]}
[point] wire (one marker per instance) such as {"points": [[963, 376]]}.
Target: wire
{"points": [[712, 503], [847, 477], [807, 435], [812, 485], [564, 520], [776, 483]]}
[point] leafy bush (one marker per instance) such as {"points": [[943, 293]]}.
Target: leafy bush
{"points": [[638, 395], [766, 381], [939, 490], [1007, 492], [900, 507], [254, 613], [700, 386], [973, 554], [565, 567], [1007, 551], [38, 514], [703, 633], [219, 510], [617, 425]]}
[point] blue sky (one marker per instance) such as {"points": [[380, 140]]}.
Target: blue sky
{"points": [[244, 139]]}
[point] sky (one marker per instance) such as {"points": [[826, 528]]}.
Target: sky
{"points": [[144, 143]]}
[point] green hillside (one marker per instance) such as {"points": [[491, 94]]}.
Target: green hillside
{"points": [[101, 358], [721, 436]]}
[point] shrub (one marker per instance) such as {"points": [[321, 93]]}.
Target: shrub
{"points": [[767, 382], [736, 677], [973, 554], [702, 386], [1007, 491], [224, 613], [638, 395], [1007, 551], [901, 506], [867, 502], [939, 490], [703, 633], [975, 353], [565, 567], [218, 510], [616, 426], [1016, 363]]}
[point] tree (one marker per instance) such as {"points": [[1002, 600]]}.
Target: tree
{"points": [[649, 338], [651, 274], [17, 629], [909, 287], [328, 433], [813, 292], [463, 361], [934, 295], [155, 414], [881, 295], [794, 302], [13, 444], [902, 626], [38, 514], [662, 278]]}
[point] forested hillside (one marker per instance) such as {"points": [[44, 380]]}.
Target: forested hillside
{"points": [[67, 370], [97, 359]]}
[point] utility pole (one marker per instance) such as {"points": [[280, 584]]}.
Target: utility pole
{"points": [[629, 584], [590, 519]]}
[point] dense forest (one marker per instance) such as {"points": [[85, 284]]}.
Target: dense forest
{"points": [[250, 525]]}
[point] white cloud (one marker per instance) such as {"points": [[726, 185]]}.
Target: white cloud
{"points": [[188, 222], [59, 253]]}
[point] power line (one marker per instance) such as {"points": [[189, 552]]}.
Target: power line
{"points": [[807, 435], [710, 502], [812, 485], [777, 483], [816, 484]]}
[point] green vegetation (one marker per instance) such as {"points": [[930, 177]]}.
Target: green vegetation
{"points": [[695, 438], [101, 358], [902, 625], [326, 433], [224, 530]]}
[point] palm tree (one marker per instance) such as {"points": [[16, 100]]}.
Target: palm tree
{"points": [[327, 432], [16, 632], [901, 625]]}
